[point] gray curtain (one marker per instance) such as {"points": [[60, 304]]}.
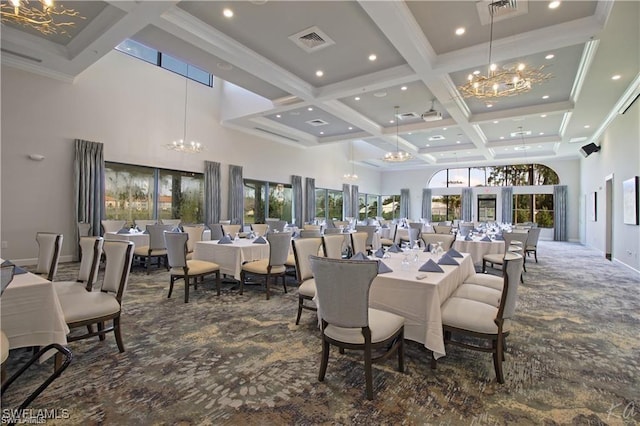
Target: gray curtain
{"points": [[404, 203], [560, 212], [310, 201], [296, 186], [236, 194], [426, 203], [466, 204], [346, 201], [89, 184], [355, 207], [212, 197], [507, 204]]}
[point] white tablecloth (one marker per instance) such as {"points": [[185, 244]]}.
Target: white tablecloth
{"points": [[478, 248], [31, 313], [418, 301], [141, 239], [230, 257]]}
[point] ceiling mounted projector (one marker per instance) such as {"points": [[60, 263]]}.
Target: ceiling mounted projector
{"points": [[432, 114], [589, 149]]}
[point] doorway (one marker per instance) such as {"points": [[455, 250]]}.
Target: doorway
{"points": [[486, 208], [608, 206]]}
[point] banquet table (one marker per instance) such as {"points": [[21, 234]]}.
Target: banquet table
{"points": [[419, 300], [141, 239], [478, 248], [404, 232], [31, 313], [230, 257]]}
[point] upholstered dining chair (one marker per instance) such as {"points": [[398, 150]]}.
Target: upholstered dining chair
{"points": [[447, 240], [310, 233], [370, 230], [482, 321], [414, 235], [156, 248], [465, 228], [332, 231], [332, 245], [181, 267], [274, 266], [393, 229], [513, 242], [442, 229], [112, 225], [86, 308], [195, 233], [231, 230], [358, 242], [342, 291], [216, 231], [141, 224], [49, 248], [531, 246], [260, 228], [302, 249], [88, 272], [84, 230], [173, 222]]}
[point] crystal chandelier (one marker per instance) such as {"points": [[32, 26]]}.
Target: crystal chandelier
{"points": [[510, 80], [352, 175], [182, 145], [397, 156], [44, 16]]}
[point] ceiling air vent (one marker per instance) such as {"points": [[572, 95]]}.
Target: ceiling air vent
{"points": [[407, 115], [317, 122], [311, 39], [520, 133], [275, 134], [436, 138], [501, 9]]}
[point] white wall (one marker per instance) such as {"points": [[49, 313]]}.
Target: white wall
{"points": [[134, 108], [568, 172], [620, 157]]}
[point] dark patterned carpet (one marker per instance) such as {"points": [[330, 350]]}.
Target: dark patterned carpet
{"points": [[573, 358]]}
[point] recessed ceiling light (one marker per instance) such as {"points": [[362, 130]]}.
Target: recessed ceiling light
{"points": [[586, 126], [545, 97], [310, 109], [539, 146], [319, 73], [427, 145], [541, 133], [616, 77], [501, 137], [550, 56], [554, 4], [357, 98], [460, 31], [444, 128], [322, 133], [278, 116], [228, 13], [457, 141], [380, 94], [476, 72], [543, 115], [495, 121], [489, 105], [350, 128], [372, 57], [403, 88]]}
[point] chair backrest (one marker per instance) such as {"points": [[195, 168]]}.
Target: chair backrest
{"points": [[512, 271], [414, 235], [156, 236], [370, 230], [231, 230], [195, 233], [91, 252], [302, 249], [310, 233], [172, 222], [533, 236], [112, 225], [84, 229], [332, 231], [342, 288], [279, 244], [309, 227], [465, 228], [177, 243], [277, 225], [510, 237], [216, 231], [442, 229], [446, 240], [359, 242], [332, 245], [260, 228], [142, 223], [118, 255], [49, 248]]}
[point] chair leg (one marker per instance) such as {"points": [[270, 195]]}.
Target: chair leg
{"points": [[300, 302], [266, 284], [324, 361], [535, 255], [368, 372], [434, 361], [242, 277], [100, 328], [147, 263], [186, 288], [484, 266], [284, 282], [401, 353], [116, 331], [218, 282], [497, 359], [171, 281]]}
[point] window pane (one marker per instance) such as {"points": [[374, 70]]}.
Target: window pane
{"points": [[522, 208], [497, 176], [438, 209], [181, 196], [362, 206], [453, 207], [372, 206], [335, 205], [544, 210], [439, 180], [138, 50], [280, 204], [321, 203], [173, 64], [254, 196], [198, 75], [543, 175], [458, 178], [387, 207], [478, 176], [129, 192], [519, 174]]}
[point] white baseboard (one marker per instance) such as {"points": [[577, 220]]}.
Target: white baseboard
{"points": [[619, 262]]}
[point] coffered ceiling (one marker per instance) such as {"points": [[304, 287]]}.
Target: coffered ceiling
{"points": [[275, 49]]}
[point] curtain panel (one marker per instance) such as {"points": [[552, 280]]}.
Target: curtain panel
{"points": [[507, 204], [560, 213], [236, 195], [346, 201], [426, 204], [212, 196], [404, 203], [467, 204], [89, 170], [355, 207], [310, 201], [296, 187]]}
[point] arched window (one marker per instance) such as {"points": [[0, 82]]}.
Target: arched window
{"points": [[512, 175]]}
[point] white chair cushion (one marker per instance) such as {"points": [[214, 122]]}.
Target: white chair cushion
{"points": [[486, 280], [308, 288], [471, 315], [190, 256], [386, 241], [144, 251], [87, 305], [479, 293], [260, 267], [383, 325], [65, 287], [494, 258], [197, 267], [4, 347]]}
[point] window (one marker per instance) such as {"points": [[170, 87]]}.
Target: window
{"points": [[321, 203], [267, 199], [136, 192], [390, 206], [514, 175], [329, 203], [165, 61], [533, 208], [367, 206], [445, 207]]}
